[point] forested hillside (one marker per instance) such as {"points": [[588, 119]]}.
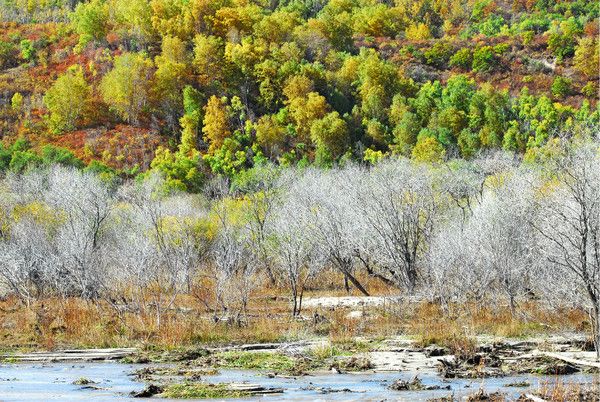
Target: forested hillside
{"points": [[194, 88]]}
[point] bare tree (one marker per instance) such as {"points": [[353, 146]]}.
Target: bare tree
{"points": [[294, 247], [26, 260], [325, 198], [399, 205], [176, 247], [234, 263], [84, 203], [569, 226], [261, 195]]}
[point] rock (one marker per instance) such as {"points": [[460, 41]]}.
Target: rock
{"points": [[83, 381], [448, 398], [414, 385], [522, 384], [326, 390], [354, 363], [481, 395], [148, 392], [435, 351], [191, 354]]}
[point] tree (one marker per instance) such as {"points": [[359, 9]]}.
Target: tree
{"points": [[67, 100], [305, 111], [295, 251], [172, 74], [126, 88], [90, 21], [86, 204], [133, 21], [330, 134], [326, 200], [428, 149], [234, 263], [208, 59], [400, 211], [507, 248], [405, 133], [271, 135], [587, 57], [168, 244], [569, 228], [182, 171], [25, 266], [562, 37], [216, 123], [173, 18]]}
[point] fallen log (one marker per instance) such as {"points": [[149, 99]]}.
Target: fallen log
{"points": [[254, 389], [70, 355], [577, 362]]}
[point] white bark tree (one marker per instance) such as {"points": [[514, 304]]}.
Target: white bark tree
{"points": [[569, 227]]}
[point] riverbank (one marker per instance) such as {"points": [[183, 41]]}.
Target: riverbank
{"points": [[338, 346], [52, 324]]}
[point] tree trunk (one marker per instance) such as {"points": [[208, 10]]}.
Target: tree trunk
{"points": [[356, 283], [596, 330]]}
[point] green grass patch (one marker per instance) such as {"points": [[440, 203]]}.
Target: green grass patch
{"points": [[255, 361], [201, 391]]}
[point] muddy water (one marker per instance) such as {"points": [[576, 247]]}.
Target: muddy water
{"points": [[46, 382]]}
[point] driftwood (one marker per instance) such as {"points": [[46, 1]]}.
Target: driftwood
{"points": [[534, 398], [74, 355], [558, 356], [254, 389], [577, 362]]}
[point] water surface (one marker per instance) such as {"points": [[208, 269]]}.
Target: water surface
{"points": [[55, 381]]}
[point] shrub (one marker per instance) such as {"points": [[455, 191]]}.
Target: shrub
{"points": [[483, 59], [561, 87], [23, 160], [55, 155], [527, 37], [16, 102], [590, 89], [463, 58], [27, 50], [8, 53], [439, 54]]}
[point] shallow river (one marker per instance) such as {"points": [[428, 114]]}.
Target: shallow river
{"points": [[44, 382]]}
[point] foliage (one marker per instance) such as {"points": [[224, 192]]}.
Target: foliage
{"points": [[90, 21], [127, 86], [587, 57], [68, 100], [428, 149], [484, 59], [561, 87], [226, 85]]}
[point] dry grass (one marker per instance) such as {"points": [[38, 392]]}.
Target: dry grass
{"points": [[568, 391], [55, 323]]}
